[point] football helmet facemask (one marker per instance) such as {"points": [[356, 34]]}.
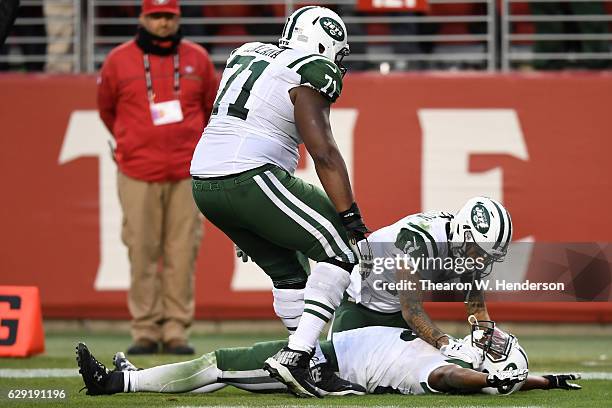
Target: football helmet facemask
{"points": [[501, 351], [317, 30]]}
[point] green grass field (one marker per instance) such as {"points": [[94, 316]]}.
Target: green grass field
{"points": [[584, 353]]}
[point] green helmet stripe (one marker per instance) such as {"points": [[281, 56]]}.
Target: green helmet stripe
{"points": [[509, 227], [501, 228], [294, 21], [524, 356]]}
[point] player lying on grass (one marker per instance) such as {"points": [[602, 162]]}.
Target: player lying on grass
{"points": [[440, 247], [379, 359]]}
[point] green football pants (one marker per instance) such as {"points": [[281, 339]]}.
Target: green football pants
{"points": [[272, 215], [247, 359]]}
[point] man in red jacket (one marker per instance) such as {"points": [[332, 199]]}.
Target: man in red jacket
{"points": [[155, 94]]}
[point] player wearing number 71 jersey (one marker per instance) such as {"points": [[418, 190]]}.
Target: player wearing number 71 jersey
{"points": [[271, 99]]}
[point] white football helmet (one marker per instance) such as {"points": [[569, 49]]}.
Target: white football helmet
{"points": [[484, 222], [501, 352], [316, 30]]}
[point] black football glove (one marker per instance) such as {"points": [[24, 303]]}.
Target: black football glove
{"points": [[353, 223], [562, 381]]}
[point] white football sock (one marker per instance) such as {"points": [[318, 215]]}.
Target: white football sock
{"points": [[318, 357], [324, 290], [289, 305], [178, 377]]}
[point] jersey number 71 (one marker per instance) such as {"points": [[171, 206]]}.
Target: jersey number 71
{"points": [[236, 108]]}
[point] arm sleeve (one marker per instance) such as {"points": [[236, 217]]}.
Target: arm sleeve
{"points": [[323, 76], [107, 95]]}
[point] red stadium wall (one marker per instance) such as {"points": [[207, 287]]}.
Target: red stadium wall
{"points": [[542, 144]]}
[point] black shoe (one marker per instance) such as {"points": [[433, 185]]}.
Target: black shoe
{"points": [[121, 363], [291, 367], [178, 347], [97, 378], [330, 384], [142, 347]]}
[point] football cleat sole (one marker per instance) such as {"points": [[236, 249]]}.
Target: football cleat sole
{"points": [[342, 393], [282, 374]]}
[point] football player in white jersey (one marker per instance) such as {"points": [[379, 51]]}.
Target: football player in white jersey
{"points": [[379, 359], [478, 235], [270, 100]]}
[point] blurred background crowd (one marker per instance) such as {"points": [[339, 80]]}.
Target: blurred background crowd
{"points": [[75, 35]]}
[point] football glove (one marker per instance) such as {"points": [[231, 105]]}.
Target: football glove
{"points": [[506, 378], [241, 254], [562, 381], [464, 351], [353, 223]]}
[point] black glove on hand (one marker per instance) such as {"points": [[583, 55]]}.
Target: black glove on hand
{"points": [[561, 381], [353, 223]]}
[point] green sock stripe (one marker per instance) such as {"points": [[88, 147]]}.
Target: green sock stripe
{"points": [[321, 305], [317, 314]]}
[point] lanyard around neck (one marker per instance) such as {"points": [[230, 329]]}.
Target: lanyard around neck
{"points": [[147, 67]]}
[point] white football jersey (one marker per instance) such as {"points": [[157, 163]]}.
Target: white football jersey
{"points": [[252, 121], [387, 359], [422, 235]]}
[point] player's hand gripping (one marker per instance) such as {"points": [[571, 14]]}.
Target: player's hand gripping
{"points": [[353, 223], [562, 381], [463, 351]]}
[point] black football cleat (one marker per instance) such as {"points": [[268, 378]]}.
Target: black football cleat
{"points": [[97, 378], [291, 367], [331, 384]]}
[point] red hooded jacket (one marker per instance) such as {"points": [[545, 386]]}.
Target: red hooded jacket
{"points": [[145, 151]]}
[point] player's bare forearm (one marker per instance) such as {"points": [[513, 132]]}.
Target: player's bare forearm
{"points": [[453, 378], [414, 314], [311, 114], [475, 304], [535, 382], [334, 178]]}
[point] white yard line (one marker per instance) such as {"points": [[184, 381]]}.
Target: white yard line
{"points": [[38, 372], [586, 375], [349, 406]]}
